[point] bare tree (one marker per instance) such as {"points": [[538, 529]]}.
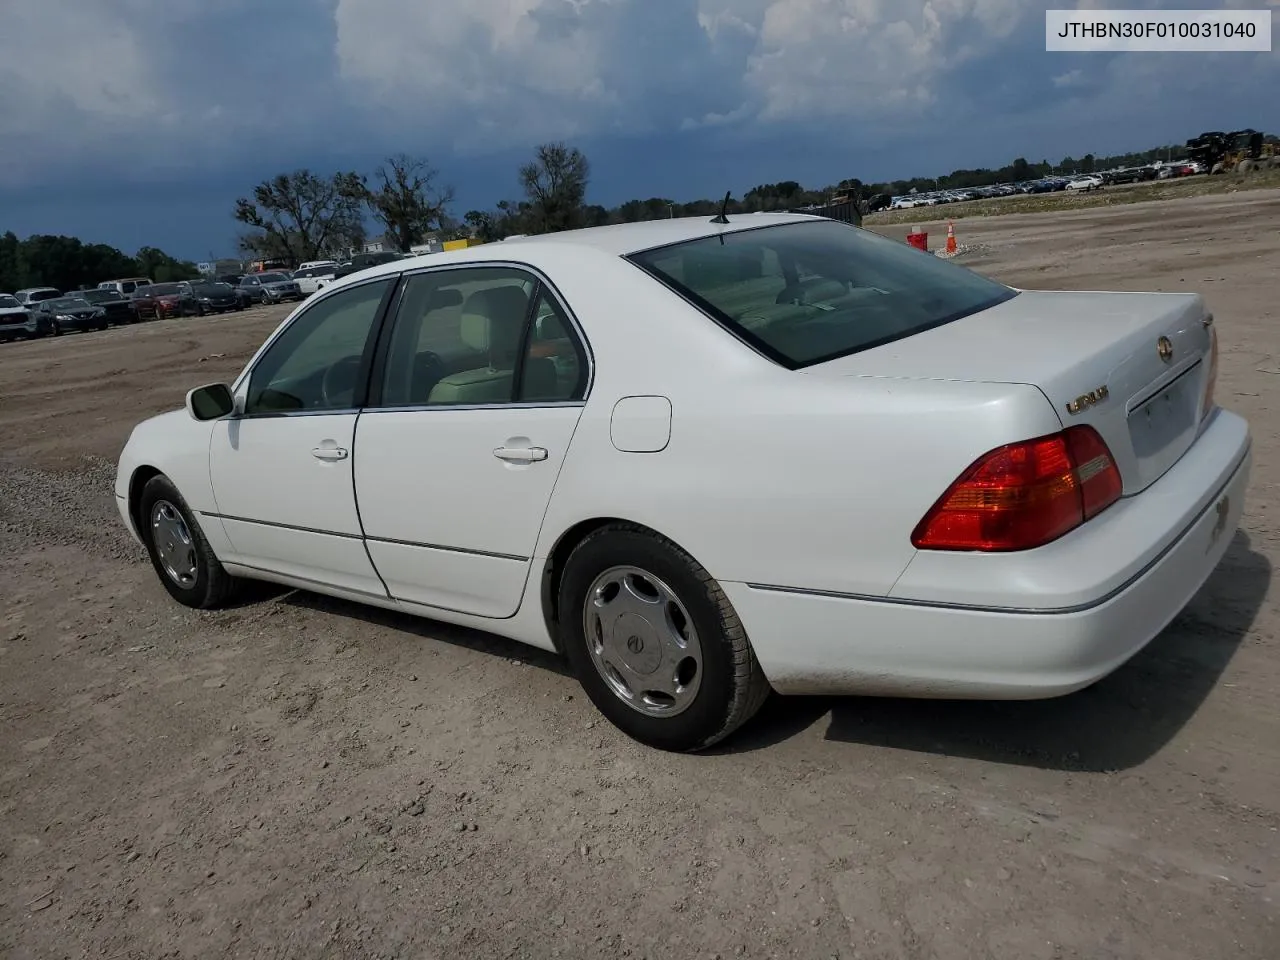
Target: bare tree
{"points": [[409, 201], [556, 185], [301, 216]]}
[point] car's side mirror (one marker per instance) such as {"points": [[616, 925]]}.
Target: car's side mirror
{"points": [[210, 402]]}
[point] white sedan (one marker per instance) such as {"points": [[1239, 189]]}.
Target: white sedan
{"points": [[1085, 183], [704, 459]]}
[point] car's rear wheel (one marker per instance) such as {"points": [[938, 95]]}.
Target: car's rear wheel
{"points": [[180, 554], [654, 641]]}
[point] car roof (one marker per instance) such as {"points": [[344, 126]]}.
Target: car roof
{"points": [[618, 239]]}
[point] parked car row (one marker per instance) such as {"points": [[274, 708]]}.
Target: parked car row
{"points": [[1089, 181], [49, 312]]}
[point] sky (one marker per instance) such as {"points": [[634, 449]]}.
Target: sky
{"points": [[139, 122]]}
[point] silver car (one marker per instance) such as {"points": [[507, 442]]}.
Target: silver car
{"points": [[268, 288]]}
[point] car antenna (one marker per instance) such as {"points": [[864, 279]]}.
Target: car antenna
{"points": [[724, 209]]}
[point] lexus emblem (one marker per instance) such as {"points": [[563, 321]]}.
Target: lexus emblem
{"points": [[635, 643], [1164, 347]]}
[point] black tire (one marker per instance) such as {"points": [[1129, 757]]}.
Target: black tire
{"points": [[212, 586], [732, 686], [55, 329]]}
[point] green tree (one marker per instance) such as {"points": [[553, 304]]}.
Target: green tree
{"points": [[481, 223], [162, 268], [302, 216], [13, 267], [555, 183], [409, 202], [68, 263]]}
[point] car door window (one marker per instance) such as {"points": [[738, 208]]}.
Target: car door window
{"points": [[462, 337], [317, 361], [555, 362], [457, 338]]}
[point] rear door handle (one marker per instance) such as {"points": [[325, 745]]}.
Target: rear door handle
{"points": [[520, 454], [329, 453]]}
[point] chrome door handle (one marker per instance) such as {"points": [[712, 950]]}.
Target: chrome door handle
{"points": [[329, 453], [520, 454]]}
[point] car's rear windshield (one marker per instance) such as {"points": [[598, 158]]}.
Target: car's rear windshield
{"points": [[803, 293]]}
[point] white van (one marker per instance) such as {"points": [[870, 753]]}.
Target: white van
{"points": [[126, 286]]}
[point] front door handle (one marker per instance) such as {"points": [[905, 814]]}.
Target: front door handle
{"points": [[329, 453], [520, 454]]}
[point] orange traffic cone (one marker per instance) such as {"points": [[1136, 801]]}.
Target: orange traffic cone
{"points": [[951, 236]]}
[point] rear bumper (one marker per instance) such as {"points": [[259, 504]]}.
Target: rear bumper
{"points": [[809, 643]]}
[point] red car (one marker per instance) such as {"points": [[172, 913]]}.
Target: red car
{"points": [[157, 301]]}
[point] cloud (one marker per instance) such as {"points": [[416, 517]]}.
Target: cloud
{"points": [[99, 92], [516, 69], [139, 87]]}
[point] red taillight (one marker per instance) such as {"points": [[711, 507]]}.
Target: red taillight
{"points": [[1024, 495]]}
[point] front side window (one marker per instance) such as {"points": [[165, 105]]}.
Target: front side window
{"points": [[803, 293], [317, 361], [486, 335]]}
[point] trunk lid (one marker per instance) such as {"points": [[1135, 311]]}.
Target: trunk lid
{"points": [[1096, 356]]}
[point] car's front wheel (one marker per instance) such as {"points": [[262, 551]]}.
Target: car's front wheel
{"points": [[181, 555], [654, 641]]}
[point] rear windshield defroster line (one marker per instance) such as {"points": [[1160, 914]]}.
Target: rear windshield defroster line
{"points": [[808, 292]]}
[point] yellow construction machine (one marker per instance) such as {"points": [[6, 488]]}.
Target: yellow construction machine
{"points": [[1239, 151]]}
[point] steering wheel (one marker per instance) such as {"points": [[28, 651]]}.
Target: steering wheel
{"points": [[339, 384]]}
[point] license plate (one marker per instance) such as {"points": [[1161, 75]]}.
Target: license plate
{"points": [[1165, 417]]}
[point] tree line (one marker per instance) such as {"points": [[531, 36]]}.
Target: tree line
{"points": [[46, 260], [304, 216]]}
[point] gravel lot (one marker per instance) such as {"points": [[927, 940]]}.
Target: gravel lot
{"points": [[301, 777]]}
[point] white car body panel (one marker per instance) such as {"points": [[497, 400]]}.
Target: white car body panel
{"points": [[274, 496], [1105, 340], [485, 511], [796, 490]]}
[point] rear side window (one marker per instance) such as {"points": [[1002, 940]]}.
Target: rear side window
{"points": [[803, 293]]}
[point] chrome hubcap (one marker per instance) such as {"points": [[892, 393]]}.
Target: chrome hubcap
{"points": [[642, 641], [173, 543]]}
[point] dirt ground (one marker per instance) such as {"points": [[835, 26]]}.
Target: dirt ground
{"points": [[304, 778]]}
